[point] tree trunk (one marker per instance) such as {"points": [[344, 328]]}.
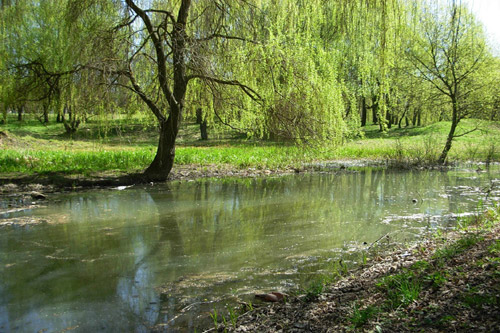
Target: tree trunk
{"points": [[3, 121], [199, 116], [203, 124], [374, 111], [169, 127], [454, 123], [20, 111], [165, 154], [390, 119], [363, 112], [203, 130], [45, 113], [403, 117]]}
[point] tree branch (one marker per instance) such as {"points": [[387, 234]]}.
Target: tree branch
{"points": [[160, 54], [463, 134], [246, 89], [216, 35]]}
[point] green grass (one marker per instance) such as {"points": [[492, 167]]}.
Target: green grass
{"points": [[401, 289], [361, 317], [461, 245], [42, 161], [495, 248], [129, 144]]}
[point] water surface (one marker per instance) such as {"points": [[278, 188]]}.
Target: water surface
{"points": [[132, 259]]}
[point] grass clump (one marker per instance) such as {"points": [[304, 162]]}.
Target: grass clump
{"points": [[495, 248], [474, 298], [361, 316], [315, 288], [401, 289], [43, 161], [461, 245], [437, 278]]}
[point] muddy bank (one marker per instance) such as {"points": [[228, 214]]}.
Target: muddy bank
{"points": [[455, 280], [17, 183]]}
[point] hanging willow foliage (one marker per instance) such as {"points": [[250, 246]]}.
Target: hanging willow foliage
{"points": [[309, 61]]}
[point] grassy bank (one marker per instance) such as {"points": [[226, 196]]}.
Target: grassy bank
{"points": [[448, 283], [129, 146]]}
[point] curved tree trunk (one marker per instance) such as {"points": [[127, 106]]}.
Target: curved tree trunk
{"points": [[163, 162], [454, 123], [169, 127]]}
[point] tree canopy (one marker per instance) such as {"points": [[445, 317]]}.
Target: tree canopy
{"points": [[304, 71]]}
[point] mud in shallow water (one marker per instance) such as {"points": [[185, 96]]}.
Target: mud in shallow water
{"points": [[24, 222]]}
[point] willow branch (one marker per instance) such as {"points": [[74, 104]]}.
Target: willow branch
{"points": [[246, 89], [229, 37]]}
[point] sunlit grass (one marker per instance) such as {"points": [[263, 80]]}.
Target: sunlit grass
{"points": [[130, 145], [30, 161]]}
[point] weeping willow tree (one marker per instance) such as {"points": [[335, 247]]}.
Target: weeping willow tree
{"points": [[270, 69], [297, 75], [164, 49], [43, 56], [7, 82], [311, 62], [3, 80], [372, 44]]}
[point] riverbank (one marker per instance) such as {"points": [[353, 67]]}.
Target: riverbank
{"points": [[447, 283], [18, 190], [114, 153]]}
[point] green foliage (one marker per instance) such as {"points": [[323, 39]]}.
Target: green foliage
{"points": [[420, 266], [233, 316], [219, 318], [127, 145], [361, 317], [457, 247], [310, 66], [437, 278], [315, 288], [401, 289], [215, 318], [495, 247], [473, 298], [72, 162]]}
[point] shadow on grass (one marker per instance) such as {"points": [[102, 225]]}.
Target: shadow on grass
{"points": [[373, 132], [59, 181]]}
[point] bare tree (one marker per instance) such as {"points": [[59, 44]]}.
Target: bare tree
{"points": [[448, 54]]}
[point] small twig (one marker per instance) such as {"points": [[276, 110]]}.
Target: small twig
{"points": [[386, 235], [465, 133], [488, 192], [187, 308]]}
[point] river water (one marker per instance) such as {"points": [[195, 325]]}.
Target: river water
{"points": [[166, 255]]}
